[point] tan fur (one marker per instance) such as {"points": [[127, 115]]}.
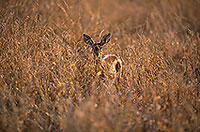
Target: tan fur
{"points": [[112, 64]]}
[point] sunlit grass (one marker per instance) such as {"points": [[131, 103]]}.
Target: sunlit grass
{"points": [[47, 73]]}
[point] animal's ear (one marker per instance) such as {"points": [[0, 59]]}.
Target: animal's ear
{"points": [[105, 39], [87, 39]]}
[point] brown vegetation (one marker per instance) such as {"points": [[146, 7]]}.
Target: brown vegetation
{"points": [[47, 76]]}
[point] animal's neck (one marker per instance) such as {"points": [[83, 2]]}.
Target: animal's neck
{"points": [[97, 56], [97, 61]]}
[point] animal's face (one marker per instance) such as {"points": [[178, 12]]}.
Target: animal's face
{"points": [[97, 47]]}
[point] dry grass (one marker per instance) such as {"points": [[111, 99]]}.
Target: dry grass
{"points": [[47, 76]]}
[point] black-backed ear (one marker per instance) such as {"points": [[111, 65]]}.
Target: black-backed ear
{"points": [[105, 39], [87, 39]]}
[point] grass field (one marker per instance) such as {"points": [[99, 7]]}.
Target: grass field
{"points": [[48, 80]]}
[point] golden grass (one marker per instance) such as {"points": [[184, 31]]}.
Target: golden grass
{"points": [[47, 76]]}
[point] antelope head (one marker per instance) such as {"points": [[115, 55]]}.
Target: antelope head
{"points": [[97, 47]]}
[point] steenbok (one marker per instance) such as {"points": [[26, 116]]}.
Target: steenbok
{"points": [[108, 65]]}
